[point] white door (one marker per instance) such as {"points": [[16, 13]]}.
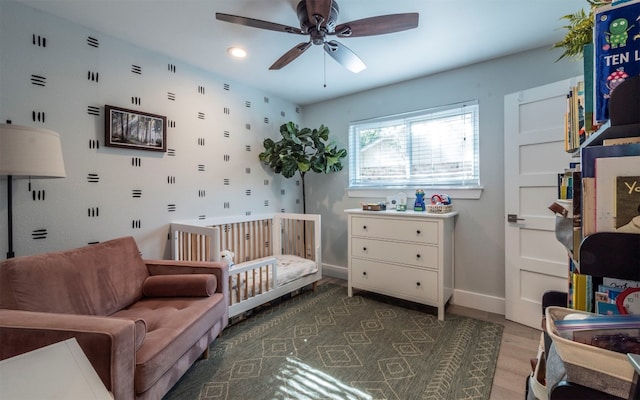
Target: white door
{"points": [[534, 155]]}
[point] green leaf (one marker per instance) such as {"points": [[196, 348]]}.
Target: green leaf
{"points": [[302, 150], [304, 165], [323, 132]]}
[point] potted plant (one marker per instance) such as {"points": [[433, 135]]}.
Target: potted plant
{"points": [[301, 151], [580, 31]]}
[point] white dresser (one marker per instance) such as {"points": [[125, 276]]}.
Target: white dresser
{"points": [[408, 255]]}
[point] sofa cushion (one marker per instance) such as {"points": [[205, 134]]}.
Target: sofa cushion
{"points": [[99, 279], [186, 285], [174, 325]]}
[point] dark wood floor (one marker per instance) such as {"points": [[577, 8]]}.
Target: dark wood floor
{"points": [[519, 345]]}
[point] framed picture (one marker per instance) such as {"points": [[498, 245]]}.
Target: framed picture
{"points": [[134, 129]]}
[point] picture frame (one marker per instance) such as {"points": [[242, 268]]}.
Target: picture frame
{"points": [[134, 129]]}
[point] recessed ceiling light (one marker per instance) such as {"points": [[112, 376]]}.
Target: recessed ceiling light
{"points": [[237, 52]]}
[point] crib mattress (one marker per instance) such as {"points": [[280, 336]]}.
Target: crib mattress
{"points": [[289, 268]]}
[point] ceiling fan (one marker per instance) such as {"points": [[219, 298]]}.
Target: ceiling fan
{"points": [[318, 19]]}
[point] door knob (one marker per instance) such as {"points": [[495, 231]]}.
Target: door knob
{"points": [[514, 218]]}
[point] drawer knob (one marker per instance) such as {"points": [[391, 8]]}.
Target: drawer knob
{"points": [[418, 255], [418, 232], [364, 249], [417, 283], [364, 273], [364, 227]]}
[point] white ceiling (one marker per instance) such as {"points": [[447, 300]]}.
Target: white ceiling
{"points": [[450, 34]]}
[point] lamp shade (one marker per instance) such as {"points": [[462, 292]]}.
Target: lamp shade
{"points": [[28, 151]]}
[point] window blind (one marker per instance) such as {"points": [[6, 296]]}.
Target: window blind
{"points": [[434, 147]]}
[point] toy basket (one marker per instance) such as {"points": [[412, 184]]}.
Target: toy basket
{"points": [[374, 207], [580, 358], [439, 209]]}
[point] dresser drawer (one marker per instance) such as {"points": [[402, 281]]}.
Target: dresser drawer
{"points": [[419, 255], [412, 230], [402, 282]]}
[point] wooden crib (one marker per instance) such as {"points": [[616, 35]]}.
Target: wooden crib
{"points": [[275, 254]]}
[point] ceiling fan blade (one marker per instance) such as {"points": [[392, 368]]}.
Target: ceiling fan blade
{"points": [[378, 25], [257, 23], [321, 8], [344, 56], [291, 55]]}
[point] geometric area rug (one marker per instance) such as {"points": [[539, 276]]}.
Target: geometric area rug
{"points": [[325, 345]]}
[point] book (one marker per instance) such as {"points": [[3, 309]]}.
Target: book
{"points": [[607, 171], [578, 114], [568, 123], [617, 52], [627, 203], [606, 308], [589, 155], [581, 292], [621, 284], [577, 213], [575, 133], [625, 140], [588, 206], [589, 125]]}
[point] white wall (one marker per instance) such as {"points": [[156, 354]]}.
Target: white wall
{"points": [[479, 237], [74, 210], [63, 214]]}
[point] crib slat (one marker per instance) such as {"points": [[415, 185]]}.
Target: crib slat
{"points": [[255, 245], [250, 239]]}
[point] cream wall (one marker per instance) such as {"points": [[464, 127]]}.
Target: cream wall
{"points": [[211, 169], [479, 236]]}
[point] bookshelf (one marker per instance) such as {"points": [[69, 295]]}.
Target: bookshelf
{"points": [[599, 250], [600, 254], [595, 203]]}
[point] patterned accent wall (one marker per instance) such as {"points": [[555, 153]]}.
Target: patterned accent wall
{"points": [[59, 76]]}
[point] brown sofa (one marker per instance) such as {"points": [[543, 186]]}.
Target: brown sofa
{"points": [[141, 323]]}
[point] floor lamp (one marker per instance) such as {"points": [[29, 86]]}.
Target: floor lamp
{"points": [[27, 152]]}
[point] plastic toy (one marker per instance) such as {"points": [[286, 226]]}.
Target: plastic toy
{"points": [[419, 204]]}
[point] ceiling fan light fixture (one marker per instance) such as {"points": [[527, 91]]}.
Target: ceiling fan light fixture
{"points": [[237, 52]]}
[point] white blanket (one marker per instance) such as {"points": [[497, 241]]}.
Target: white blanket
{"points": [[289, 268]]}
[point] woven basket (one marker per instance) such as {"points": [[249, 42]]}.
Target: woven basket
{"points": [[439, 209]]}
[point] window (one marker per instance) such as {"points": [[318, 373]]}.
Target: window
{"points": [[428, 148]]}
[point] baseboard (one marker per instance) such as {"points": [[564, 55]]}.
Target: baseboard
{"points": [[335, 271], [478, 301], [462, 298]]}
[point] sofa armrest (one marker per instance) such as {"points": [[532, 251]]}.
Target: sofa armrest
{"points": [[109, 343], [173, 267]]}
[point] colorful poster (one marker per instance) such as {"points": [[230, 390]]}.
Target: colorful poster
{"points": [[617, 51]]}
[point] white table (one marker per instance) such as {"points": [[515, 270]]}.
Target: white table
{"points": [[59, 371]]}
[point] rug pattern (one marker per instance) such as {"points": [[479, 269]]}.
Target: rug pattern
{"points": [[325, 345]]}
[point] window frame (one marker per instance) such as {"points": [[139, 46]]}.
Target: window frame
{"points": [[463, 190]]}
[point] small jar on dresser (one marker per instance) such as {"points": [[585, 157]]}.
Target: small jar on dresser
{"points": [[403, 254]]}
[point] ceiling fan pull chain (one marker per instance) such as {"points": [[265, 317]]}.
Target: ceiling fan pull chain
{"points": [[324, 58]]}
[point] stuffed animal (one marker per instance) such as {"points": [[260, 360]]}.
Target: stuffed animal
{"points": [[227, 255]]}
